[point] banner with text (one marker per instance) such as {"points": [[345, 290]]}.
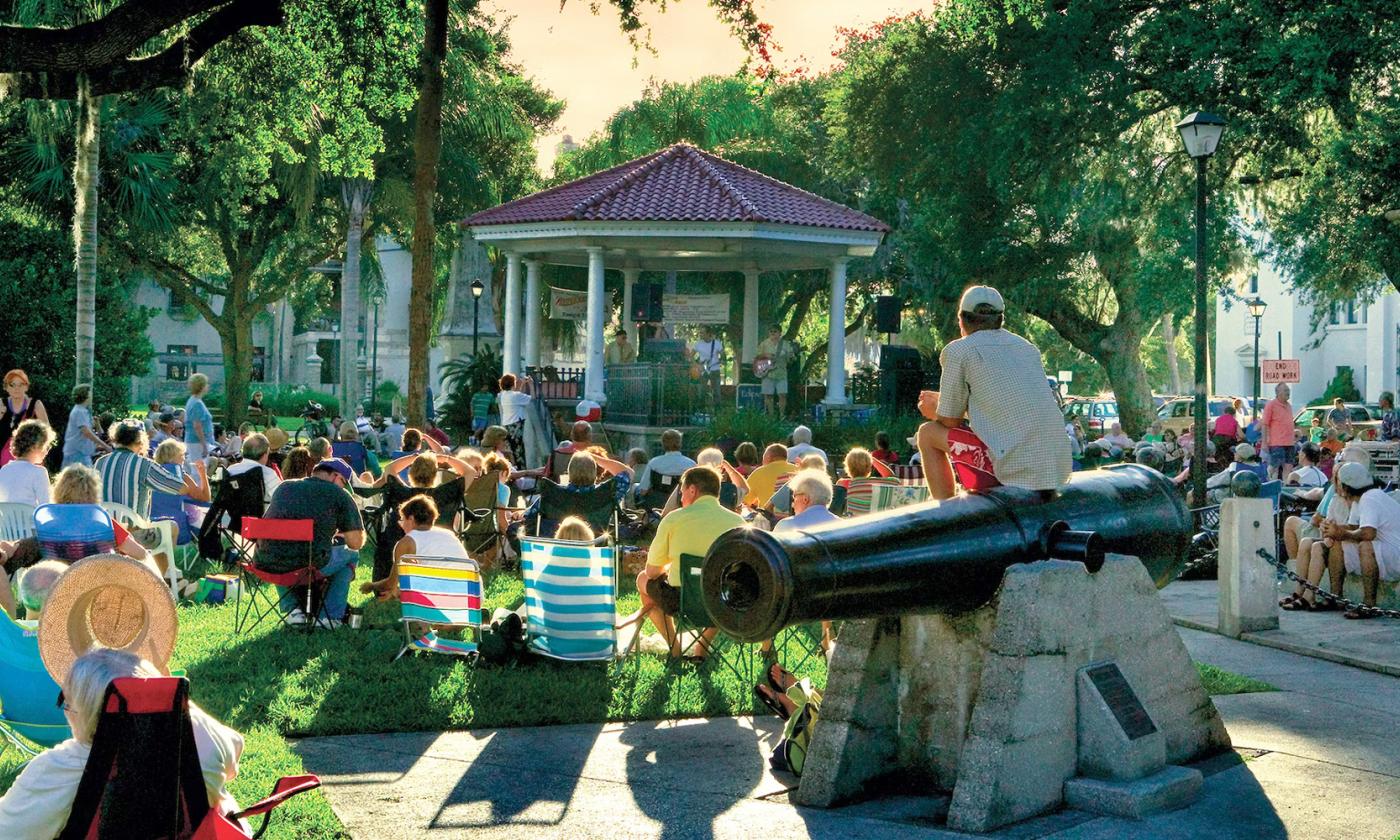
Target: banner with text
{"points": [[567, 304], [572, 305], [696, 309]]}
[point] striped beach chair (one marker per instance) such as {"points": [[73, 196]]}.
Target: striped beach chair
{"points": [[442, 593], [888, 496], [860, 492], [570, 599]]}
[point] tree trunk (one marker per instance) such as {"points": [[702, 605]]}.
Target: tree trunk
{"points": [[1169, 346], [85, 228], [1120, 354], [236, 339], [427, 147], [356, 194]]}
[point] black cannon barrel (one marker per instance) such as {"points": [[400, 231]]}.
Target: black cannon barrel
{"points": [[940, 556]]}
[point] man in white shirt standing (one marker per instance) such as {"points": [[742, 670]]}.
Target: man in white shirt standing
{"points": [[709, 352]]}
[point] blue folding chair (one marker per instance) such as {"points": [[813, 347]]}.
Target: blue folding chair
{"points": [[72, 532], [570, 599], [28, 695]]}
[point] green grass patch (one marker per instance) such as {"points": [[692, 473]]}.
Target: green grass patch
{"points": [[1218, 681], [273, 684]]}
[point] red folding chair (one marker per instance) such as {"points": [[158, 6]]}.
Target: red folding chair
{"points": [[143, 777], [263, 602]]}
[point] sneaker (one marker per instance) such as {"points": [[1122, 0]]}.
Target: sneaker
{"points": [[296, 618], [324, 623]]}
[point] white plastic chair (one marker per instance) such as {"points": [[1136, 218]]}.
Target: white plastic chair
{"points": [[169, 532], [16, 521]]}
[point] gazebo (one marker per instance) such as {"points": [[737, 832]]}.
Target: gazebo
{"points": [[677, 209]]}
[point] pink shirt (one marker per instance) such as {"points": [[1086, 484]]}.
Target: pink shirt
{"points": [[1227, 426], [1278, 423]]}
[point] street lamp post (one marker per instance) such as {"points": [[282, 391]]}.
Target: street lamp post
{"points": [[1256, 308], [1200, 132], [477, 288]]}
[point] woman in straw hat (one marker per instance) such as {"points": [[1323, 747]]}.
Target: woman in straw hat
{"points": [[108, 617]]}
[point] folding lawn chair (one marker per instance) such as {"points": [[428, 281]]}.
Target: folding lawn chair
{"points": [[166, 531], [27, 692], [383, 520], [143, 777], [442, 593], [570, 599], [860, 491], [907, 472], [16, 521], [658, 491], [744, 659], [889, 496], [72, 532], [263, 602], [235, 496], [596, 505], [481, 536]]}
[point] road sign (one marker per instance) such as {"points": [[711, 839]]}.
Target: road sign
{"points": [[1066, 376], [1281, 370]]}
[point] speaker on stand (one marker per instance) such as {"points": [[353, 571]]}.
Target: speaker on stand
{"points": [[646, 309]]}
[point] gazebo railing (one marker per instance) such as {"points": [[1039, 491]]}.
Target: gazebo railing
{"points": [[557, 383], [650, 394]]}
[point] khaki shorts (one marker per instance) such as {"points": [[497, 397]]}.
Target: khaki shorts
{"points": [[771, 386]]}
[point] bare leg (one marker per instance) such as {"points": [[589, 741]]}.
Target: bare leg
{"points": [[1290, 535], [1370, 572], [1336, 567], [1316, 565], [933, 453], [782, 405]]}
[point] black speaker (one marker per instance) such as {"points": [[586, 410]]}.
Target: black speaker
{"points": [[887, 308], [646, 303], [901, 379]]}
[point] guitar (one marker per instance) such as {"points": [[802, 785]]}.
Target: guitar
{"points": [[763, 365]]}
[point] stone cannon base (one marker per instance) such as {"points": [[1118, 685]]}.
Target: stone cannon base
{"points": [[1005, 704]]}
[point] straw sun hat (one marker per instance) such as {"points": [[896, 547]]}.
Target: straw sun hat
{"points": [[107, 600]]}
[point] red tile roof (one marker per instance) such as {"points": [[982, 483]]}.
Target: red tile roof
{"points": [[678, 184]]}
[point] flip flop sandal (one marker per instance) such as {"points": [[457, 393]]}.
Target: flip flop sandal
{"points": [[1361, 613], [769, 698], [779, 679], [1326, 606], [1291, 599]]}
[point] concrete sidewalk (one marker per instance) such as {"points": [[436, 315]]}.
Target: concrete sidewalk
{"points": [[1320, 762], [1373, 644]]}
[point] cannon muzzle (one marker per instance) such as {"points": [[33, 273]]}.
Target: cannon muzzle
{"points": [[940, 556]]}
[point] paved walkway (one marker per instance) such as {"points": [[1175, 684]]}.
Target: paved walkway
{"points": [[1372, 644], [1321, 761]]}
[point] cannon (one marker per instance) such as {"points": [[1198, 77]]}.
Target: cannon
{"points": [[946, 557]]}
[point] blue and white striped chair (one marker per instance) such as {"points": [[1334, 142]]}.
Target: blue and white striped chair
{"points": [[570, 599]]}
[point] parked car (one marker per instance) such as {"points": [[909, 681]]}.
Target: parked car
{"points": [[1365, 419], [1097, 414], [1175, 414]]}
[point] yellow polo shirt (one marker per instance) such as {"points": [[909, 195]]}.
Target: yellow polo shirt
{"points": [[763, 482], [690, 530]]}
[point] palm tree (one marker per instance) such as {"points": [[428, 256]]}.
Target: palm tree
{"points": [[355, 193]]}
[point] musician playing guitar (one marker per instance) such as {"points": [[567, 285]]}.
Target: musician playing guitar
{"points": [[771, 367]]}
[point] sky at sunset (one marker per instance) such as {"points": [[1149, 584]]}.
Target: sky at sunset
{"points": [[586, 60]]}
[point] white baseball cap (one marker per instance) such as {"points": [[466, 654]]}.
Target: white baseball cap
{"points": [[974, 296], [1355, 476]]}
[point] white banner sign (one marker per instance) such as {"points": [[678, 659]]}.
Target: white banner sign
{"points": [[572, 305], [567, 304], [696, 309]]}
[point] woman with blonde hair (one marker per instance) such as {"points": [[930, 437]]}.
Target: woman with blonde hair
{"points": [[80, 485], [199, 423], [860, 463], [181, 508], [574, 529]]}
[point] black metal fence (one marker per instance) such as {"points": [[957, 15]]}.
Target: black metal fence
{"points": [[651, 394]]}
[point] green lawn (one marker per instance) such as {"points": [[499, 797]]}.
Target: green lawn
{"points": [[273, 685]]}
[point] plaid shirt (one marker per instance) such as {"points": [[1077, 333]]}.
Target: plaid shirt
{"points": [[997, 379], [1390, 425]]}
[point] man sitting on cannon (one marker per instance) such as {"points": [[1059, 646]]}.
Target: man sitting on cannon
{"points": [[997, 380]]}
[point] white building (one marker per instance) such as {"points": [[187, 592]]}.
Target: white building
{"points": [[285, 351], [1355, 334]]}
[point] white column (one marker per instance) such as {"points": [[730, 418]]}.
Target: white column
{"points": [[597, 309], [533, 313], [629, 280], [836, 342], [750, 348], [510, 350]]}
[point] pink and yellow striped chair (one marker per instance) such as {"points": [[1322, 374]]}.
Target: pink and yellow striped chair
{"points": [[442, 593]]}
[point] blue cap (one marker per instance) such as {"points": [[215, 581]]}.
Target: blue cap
{"points": [[335, 465]]}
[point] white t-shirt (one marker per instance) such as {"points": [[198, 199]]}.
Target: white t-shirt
{"points": [[1377, 510], [512, 406], [1309, 477], [798, 451], [25, 483], [711, 354]]}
